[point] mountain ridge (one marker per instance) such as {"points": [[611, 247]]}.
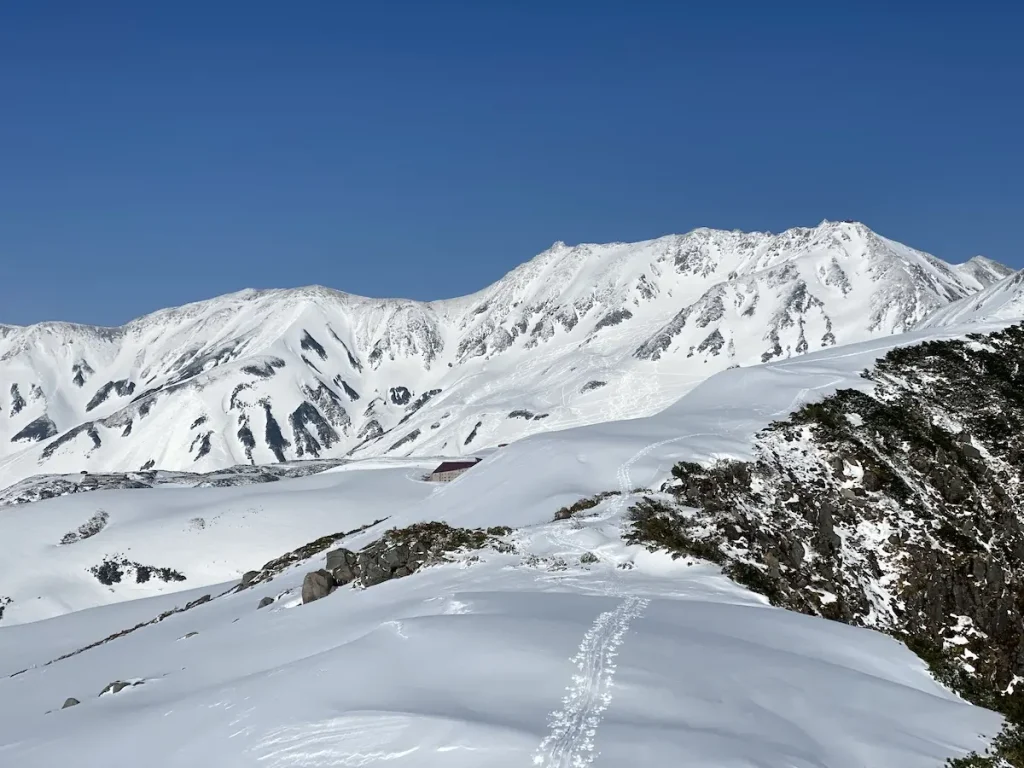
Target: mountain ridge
{"points": [[982, 264], [578, 334]]}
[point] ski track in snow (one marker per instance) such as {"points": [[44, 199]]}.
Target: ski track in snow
{"points": [[570, 744]]}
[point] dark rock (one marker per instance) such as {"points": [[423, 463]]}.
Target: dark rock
{"points": [[264, 602], [71, 702], [372, 572], [198, 601], [871, 481], [399, 395], [828, 541], [794, 553], [38, 429], [970, 451], [117, 686], [316, 585], [248, 577], [342, 565]]}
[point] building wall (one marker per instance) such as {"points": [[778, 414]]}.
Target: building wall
{"points": [[446, 477]]}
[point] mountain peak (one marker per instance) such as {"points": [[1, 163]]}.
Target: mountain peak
{"points": [[578, 334]]}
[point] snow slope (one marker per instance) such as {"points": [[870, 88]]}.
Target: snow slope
{"points": [[523, 484], [1003, 300], [577, 335], [494, 664], [528, 657]]}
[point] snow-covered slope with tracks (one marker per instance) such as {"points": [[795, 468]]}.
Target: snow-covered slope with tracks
{"points": [[538, 655]]}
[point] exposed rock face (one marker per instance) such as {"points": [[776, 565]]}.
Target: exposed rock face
{"points": [[316, 585], [50, 486], [403, 551], [265, 602], [902, 509], [36, 430], [71, 702]]}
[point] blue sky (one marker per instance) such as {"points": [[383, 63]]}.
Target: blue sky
{"points": [[158, 153]]}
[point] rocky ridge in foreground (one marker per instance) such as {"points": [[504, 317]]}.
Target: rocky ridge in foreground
{"points": [[900, 508]]}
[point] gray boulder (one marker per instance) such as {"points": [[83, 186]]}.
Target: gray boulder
{"points": [[342, 565], [317, 584], [265, 602], [72, 702], [247, 578], [117, 686]]}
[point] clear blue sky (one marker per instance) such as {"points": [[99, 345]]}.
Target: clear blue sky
{"points": [[153, 153]]}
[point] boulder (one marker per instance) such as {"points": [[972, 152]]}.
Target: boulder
{"points": [[317, 584], [265, 602], [872, 482], [72, 702], [117, 686], [372, 571], [198, 601], [342, 565], [248, 577]]}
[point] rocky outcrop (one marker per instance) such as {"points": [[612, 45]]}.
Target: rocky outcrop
{"points": [[50, 486], [899, 508], [306, 551], [70, 702], [401, 552], [316, 585], [86, 530], [41, 428], [119, 685]]}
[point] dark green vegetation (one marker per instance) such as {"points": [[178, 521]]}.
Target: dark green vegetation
{"points": [[88, 529], [899, 509], [583, 505], [113, 569]]}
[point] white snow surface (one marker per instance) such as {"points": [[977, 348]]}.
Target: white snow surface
{"points": [[526, 658], [1003, 300], [578, 335]]}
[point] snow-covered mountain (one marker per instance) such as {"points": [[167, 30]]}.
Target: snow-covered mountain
{"points": [[579, 334], [1003, 300], [611, 651]]}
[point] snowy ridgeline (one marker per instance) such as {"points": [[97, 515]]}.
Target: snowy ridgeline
{"points": [[578, 335], [562, 647]]}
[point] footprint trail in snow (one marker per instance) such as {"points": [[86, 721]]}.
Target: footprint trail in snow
{"points": [[570, 744]]}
